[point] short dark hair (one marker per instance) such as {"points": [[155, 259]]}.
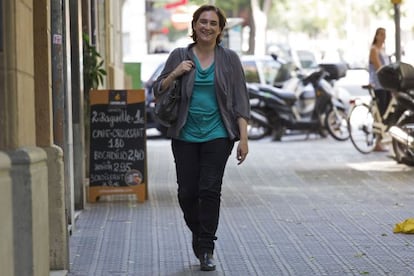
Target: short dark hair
{"points": [[197, 14]]}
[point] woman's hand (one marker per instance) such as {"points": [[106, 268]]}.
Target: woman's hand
{"points": [[182, 68], [242, 151]]}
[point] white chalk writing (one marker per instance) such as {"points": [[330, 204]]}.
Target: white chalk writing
{"points": [[111, 119], [118, 133], [126, 155]]}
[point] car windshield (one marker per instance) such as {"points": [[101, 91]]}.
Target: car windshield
{"points": [[266, 71], [251, 72], [270, 71], [307, 59]]}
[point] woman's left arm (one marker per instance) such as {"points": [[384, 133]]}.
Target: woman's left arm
{"points": [[241, 103], [242, 147]]}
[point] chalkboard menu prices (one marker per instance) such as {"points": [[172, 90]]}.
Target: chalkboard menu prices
{"points": [[117, 143]]}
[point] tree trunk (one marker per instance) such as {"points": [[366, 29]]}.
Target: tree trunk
{"points": [[258, 32]]}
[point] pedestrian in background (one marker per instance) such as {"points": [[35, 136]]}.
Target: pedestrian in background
{"points": [[213, 115], [377, 59]]}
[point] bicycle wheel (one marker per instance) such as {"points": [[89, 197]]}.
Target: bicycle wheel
{"points": [[361, 128], [337, 125], [403, 152]]}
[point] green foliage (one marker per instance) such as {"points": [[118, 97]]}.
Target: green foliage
{"points": [[316, 18], [382, 8], [230, 7], [301, 16], [93, 68]]}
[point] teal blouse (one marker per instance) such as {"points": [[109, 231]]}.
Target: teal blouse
{"points": [[204, 121]]}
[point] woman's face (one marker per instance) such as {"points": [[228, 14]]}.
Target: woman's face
{"points": [[381, 36], [207, 27]]}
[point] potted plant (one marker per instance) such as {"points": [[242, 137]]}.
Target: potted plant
{"points": [[93, 68], [93, 76]]}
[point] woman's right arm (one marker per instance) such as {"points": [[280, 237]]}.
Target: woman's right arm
{"points": [[166, 78], [167, 81], [182, 68], [374, 58], [171, 72]]}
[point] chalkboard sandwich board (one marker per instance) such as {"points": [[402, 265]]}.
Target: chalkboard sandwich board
{"points": [[117, 144]]}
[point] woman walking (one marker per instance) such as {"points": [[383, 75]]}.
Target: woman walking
{"points": [[213, 114]]}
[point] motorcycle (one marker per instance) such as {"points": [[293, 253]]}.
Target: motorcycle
{"points": [[306, 93], [399, 77], [275, 110]]}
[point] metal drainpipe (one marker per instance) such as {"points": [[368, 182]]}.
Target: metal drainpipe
{"points": [[397, 17], [69, 159], [93, 22], [57, 71], [62, 128], [77, 102]]}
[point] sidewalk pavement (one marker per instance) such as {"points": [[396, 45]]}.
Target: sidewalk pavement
{"points": [[296, 207]]}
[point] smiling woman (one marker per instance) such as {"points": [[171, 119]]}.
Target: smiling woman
{"points": [[212, 115]]}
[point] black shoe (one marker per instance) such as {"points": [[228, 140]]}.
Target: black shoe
{"points": [[207, 262], [194, 243]]}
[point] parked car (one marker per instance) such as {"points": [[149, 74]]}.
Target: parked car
{"points": [[265, 70], [150, 100], [274, 71], [295, 58]]}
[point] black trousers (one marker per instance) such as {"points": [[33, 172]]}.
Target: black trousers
{"points": [[383, 99], [200, 169]]}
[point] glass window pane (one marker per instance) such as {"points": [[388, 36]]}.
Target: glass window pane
{"points": [[250, 71]]}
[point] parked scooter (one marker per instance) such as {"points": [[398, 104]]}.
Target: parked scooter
{"points": [[275, 110], [399, 77], [306, 94]]}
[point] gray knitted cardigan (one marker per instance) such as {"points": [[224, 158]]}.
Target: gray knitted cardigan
{"points": [[230, 86]]}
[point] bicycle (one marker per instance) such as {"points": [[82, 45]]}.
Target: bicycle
{"points": [[365, 123]]}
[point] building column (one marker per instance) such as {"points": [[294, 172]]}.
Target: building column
{"points": [[47, 128], [6, 211], [27, 174]]}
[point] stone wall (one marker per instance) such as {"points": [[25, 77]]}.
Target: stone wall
{"points": [[6, 229], [29, 176]]}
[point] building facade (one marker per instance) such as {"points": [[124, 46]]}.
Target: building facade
{"points": [[42, 166]]}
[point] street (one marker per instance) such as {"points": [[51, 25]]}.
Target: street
{"points": [[297, 207]]}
